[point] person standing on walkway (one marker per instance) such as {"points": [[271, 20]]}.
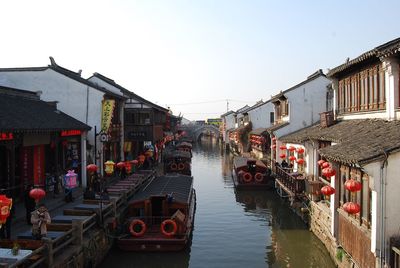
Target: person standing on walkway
{"points": [[29, 204], [40, 218]]}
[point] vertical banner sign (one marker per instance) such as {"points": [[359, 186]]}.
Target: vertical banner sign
{"points": [[106, 114], [26, 168], [38, 164]]}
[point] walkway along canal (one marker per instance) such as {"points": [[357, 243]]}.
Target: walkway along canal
{"points": [[234, 229]]}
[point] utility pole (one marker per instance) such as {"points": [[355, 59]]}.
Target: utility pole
{"points": [[227, 105]]}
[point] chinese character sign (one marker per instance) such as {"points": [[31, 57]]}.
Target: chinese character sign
{"points": [[106, 114]]}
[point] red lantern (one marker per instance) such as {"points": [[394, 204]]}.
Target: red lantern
{"points": [[273, 139], [292, 148], [92, 168], [273, 146], [120, 165], [283, 156], [300, 161], [128, 167], [325, 165], [282, 147], [320, 162], [328, 172], [351, 208], [292, 158], [327, 190], [37, 194], [300, 150], [5, 207], [353, 185]]}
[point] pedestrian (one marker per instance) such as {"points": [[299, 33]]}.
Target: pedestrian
{"points": [[40, 218], [29, 203]]}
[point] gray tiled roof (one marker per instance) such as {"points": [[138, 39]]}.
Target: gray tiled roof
{"points": [[179, 185], [358, 141], [18, 113]]}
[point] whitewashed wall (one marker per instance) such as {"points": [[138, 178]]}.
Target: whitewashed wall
{"points": [[260, 116], [306, 102], [390, 196]]}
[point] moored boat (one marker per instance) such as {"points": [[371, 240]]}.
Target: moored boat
{"points": [[176, 161], [250, 173], [160, 216]]}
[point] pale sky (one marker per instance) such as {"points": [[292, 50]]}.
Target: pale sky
{"points": [[193, 55]]}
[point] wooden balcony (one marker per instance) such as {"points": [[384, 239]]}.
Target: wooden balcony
{"points": [[292, 183]]}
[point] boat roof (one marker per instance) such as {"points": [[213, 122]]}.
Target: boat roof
{"points": [[177, 153], [184, 143], [242, 161], [177, 184]]}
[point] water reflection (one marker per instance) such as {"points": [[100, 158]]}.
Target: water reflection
{"points": [[234, 228]]}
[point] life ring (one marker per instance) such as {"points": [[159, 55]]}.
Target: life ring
{"points": [[167, 232], [247, 177], [142, 228], [181, 166], [258, 177], [174, 166]]}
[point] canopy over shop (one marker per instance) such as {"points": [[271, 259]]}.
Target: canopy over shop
{"points": [[36, 139]]}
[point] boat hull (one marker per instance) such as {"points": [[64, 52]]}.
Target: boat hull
{"points": [[160, 243]]}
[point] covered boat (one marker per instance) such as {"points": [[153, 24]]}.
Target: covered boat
{"points": [[176, 161], [251, 173], [160, 216]]}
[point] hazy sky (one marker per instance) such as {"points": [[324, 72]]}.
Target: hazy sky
{"points": [[193, 55]]}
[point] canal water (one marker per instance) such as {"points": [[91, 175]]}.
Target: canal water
{"points": [[234, 228]]}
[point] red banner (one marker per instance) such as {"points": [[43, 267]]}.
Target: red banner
{"points": [[26, 168], [38, 164]]}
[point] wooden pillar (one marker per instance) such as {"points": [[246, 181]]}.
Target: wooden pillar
{"points": [[77, 226], [49, 251]]}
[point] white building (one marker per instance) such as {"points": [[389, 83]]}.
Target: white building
{"points": [[76, 97]]}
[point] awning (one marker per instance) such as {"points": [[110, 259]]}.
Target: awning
{"points": [[259, 131]]}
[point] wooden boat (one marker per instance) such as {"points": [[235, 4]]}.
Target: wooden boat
{"points": [[178, 162], [160, 216], [249, 173]]}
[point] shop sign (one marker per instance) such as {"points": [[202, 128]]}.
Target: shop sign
{"points": [[72, 132], [38, 164], [26, 165], [137, 134], [6, 136], [107, 114]]}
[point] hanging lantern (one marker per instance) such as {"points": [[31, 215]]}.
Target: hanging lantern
{"points": [[273, 139], [120, 165], [135, 162], [320, 162], [273, 146], [327, 190], [128, 167], [325, 165], [292, 158], [5, 207], [37, 194], [109, 167], [92, 168], [300, 150], [141, 158], [353, 185], [282, 147], [292, 148], [328, 172], [351, 207], [282, 156], [300, 161]]}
